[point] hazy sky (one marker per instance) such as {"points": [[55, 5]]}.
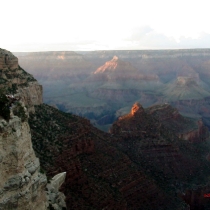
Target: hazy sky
{"points": [[42, 25]]}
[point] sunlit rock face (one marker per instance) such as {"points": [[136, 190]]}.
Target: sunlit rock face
{"points": [[117, 69], [119, 81], [136, 108], [22, 186]]}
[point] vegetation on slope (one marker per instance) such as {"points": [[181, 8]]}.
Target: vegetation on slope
{"points": [[4, 107], [99, 174]]}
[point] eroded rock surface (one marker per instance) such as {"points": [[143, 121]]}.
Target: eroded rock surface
{"points": [[8, 60], [151, 138], [184, 127], [14, 80], [56, 198], [22, 186]]}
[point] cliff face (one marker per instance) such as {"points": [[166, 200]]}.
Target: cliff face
{"points": [[22, 186], [201, 133], [185, 128], [31, 95], [14, 80], [8, 60]]}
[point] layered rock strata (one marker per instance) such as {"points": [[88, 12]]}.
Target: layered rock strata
{"points": [[14, 80], [8, 60], [99, 175], [180, 77], [185, 128], [170, 159]]}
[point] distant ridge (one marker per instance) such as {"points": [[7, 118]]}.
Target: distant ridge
{"points": [[116, 65]]}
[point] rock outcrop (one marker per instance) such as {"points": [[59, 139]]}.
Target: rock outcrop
{"points": [[8, 60], [22, 186], [56, 198], [14, 80], [185, 128], [136, 108], [31, 95], [116, 66], [150, 138]]}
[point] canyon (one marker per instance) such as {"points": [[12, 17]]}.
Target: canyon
{"points": [[100, 84], [152, 158]]}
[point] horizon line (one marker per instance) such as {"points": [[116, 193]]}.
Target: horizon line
{"points": [[168, 49]]}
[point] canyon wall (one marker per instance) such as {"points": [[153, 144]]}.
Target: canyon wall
{"points": [[14, 80], [8, 60], [22, 186]]}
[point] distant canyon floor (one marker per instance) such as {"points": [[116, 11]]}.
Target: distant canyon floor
{"points": [[103, 85]]}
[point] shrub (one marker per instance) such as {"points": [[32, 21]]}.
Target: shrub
{"points": [[20, 112], [4, 107]]}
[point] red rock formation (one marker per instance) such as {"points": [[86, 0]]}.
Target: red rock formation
{"points": [[117, 69], [98, 174], [147, 141], [136, 109], [185, 128], [114, 65]]}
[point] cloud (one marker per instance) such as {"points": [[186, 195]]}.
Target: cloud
{"points": [[147, 38], [203, 41]]}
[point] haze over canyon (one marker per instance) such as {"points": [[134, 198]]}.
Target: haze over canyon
{"points": [[103, 85]]}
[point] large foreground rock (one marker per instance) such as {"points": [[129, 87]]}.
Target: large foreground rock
{"points": [[22, 186]]}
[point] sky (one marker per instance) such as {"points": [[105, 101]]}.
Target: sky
{"points": [[74, 25]]}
